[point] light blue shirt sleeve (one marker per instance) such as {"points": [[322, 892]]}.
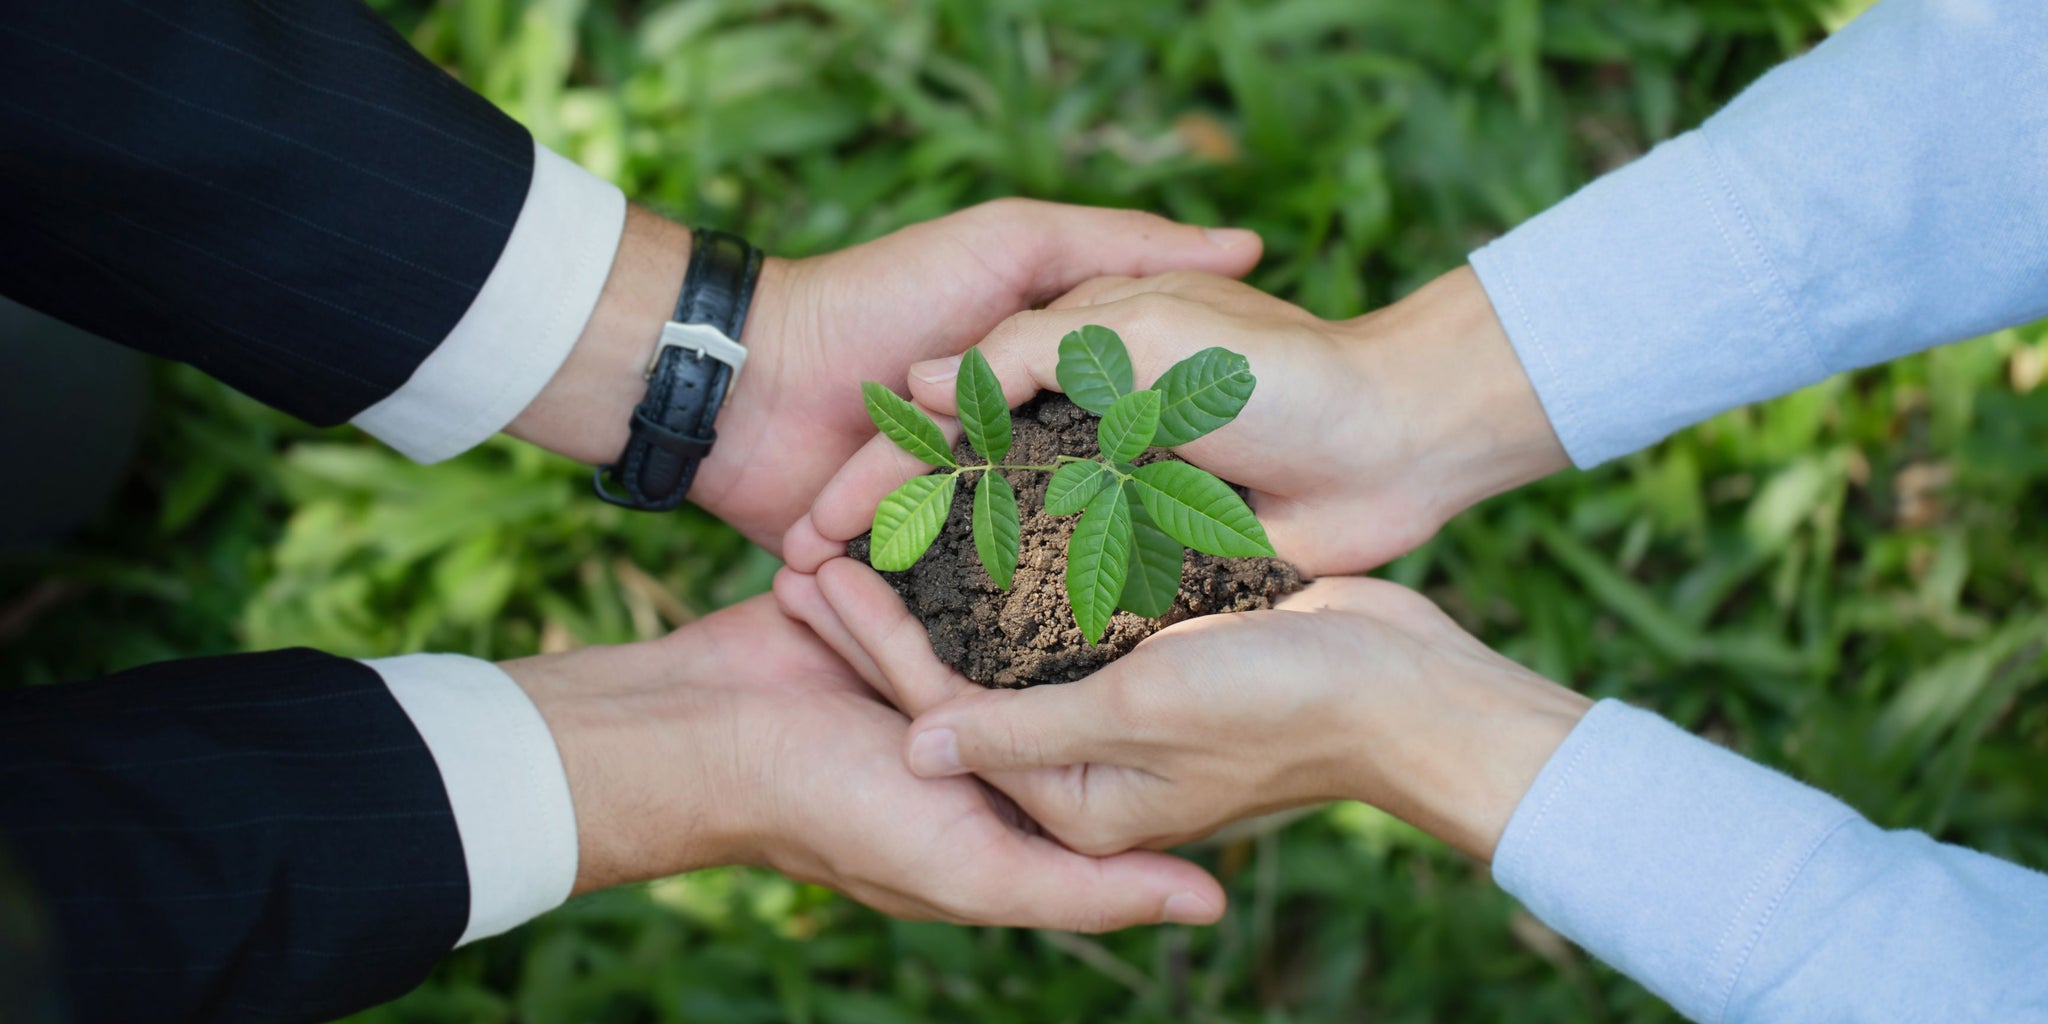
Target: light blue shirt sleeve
{"points": [[1885, 193], [1743, 897]]}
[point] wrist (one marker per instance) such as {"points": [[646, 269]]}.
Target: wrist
{"points": [[1473, 748], [1453, 380], [749, 416], [584, 410], [650, 759]]}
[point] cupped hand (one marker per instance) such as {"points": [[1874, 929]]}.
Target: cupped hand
{"points": [[1351, 689], [742, 739], [822, 325], [1361, 439]]}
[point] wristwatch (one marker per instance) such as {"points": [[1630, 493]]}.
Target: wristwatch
{"points": [[695, 362]]}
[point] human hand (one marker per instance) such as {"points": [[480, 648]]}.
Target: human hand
{"points": [[1362, 437], [741, 739], [1351, 689], [819, 326]]}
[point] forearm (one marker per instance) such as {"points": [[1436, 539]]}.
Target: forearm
{"points": [[299, 205], [258, 835], [1454, 385], [1732, 891], [1457, 756], [586, 408], [599, 703], [1854, 205]]}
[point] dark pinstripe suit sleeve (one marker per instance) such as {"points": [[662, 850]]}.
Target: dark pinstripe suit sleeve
{"points": [[252, 838], [280, 192]]}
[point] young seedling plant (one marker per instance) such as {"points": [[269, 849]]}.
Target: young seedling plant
{"points": [[1126, 550]]}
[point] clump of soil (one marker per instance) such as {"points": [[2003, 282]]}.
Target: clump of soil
{"points": [[1027, 635]]}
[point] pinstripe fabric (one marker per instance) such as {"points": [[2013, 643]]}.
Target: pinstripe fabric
{"points": [[28, 993], [280, 192], [261, 837]]}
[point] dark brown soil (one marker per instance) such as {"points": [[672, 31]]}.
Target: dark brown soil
{"points": [[1028, 635]]}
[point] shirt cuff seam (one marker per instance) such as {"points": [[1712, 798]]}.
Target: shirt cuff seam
{"points": [[1565, 419], [484, 419], [1740, 957], [1592, 724], [540, 780], [521, 325], [502, 772], [1774, 299]]}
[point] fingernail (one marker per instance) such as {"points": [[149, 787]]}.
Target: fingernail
{"points": [[935, 754], [936, 371], [1188, 908], [1230, 238]]}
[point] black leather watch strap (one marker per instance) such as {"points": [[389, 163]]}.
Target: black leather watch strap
{"points": [[693, 367]]}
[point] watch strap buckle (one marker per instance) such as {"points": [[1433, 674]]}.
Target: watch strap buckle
{"points": [[695, 361], [704, 340]]}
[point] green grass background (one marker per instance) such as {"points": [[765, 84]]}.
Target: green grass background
{"points": [[1850, 583]]}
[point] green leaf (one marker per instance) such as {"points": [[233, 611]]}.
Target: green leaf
{"points": [[908, 520], [1099, 560], [983, 413], [1202, 392], [1200, 511], [1094, 369], [1126, 430], [1156, 561], [996, 537], [1072, 485], [907, 425]]}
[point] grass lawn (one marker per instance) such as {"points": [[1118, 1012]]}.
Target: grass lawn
{"points": [[1850, 583]]}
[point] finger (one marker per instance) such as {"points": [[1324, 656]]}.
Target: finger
{"points": [[845, 506], [891, 636], [1095, 292], [804, 548], [1222, 293], [1048, 248], [1078, 723], [800, 599], [1382, 602], [1041, 884], [1158, 329], [1341, 593], [915, 680]]}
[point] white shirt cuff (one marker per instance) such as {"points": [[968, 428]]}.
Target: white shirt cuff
{"points": [[505, 784], [522, 324]]}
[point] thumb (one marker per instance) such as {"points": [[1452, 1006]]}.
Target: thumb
{"points": [[1157, 329], [1017, 730], [1053, 887], [845, 506], [1051, 247]]}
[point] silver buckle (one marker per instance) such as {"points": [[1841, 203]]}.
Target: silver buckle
{"points": [[705, 340]]}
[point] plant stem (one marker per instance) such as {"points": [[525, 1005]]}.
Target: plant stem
{"points": [[1064, 459]]}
